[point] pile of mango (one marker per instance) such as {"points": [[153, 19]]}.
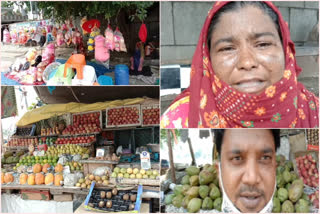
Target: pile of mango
{"points": [[198, 190]]}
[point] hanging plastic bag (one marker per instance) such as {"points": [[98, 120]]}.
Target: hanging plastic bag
{"points": [[117, 38], [143, 33], [83, 20], [101, 53], [119, 41], [60, 39], [6, 36], [109, 42], [68, 38], [14, 37]]}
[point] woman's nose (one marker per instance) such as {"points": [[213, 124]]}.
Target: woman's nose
{"points": [[252, 174], [247, 59]]}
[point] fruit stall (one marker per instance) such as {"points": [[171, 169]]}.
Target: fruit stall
{"points": [[72, 153], [196, 188]]}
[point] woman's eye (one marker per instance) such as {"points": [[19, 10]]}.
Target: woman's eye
{"points": [[264, 44], [225, 49]]}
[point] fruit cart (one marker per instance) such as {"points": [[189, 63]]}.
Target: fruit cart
{"points": [[58, 159]]}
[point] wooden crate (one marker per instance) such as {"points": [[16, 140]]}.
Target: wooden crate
{"points": [[143, 107], [88, 112], [63, 197], [36, 195], [125, 125]]}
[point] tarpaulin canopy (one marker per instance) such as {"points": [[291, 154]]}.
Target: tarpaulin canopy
{"points": [[90, 94], [51, 110]]}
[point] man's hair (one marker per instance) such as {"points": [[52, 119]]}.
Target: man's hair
{"points": [[236, 5], [219, 133]]}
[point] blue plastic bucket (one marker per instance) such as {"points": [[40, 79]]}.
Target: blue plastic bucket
{"points": [[122, 75], [105, 80]]}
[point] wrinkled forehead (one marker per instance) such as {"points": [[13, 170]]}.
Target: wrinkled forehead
{"points": [[248, 141]]}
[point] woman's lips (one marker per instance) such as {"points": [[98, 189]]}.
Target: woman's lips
{"points": [[252, 86]]}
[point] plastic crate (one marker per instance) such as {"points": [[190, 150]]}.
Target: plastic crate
{"points": [[88, 112], [137, 202], [144, 107], [31, 127], [124, 125]]}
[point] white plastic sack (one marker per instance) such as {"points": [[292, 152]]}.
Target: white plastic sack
{"points": [[70, 179], [101, 171]]}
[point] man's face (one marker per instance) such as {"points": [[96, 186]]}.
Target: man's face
{"points": [[248, 168]]}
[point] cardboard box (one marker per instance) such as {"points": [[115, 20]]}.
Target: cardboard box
{"points": [[36, 195], [62, 197]]}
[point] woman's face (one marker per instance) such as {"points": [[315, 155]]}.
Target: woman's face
{"points": [[246, 50]]}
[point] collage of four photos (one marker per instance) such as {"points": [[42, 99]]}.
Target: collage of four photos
{"points": [[159, 106]]}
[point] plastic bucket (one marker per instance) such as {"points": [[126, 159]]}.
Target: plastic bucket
{"points": [[122, 75]]}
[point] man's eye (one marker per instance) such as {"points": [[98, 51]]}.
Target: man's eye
{"points": [[266, 157], [237, 158]]}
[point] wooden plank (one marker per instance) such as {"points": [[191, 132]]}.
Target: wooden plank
{"points": [[53, 189], [99, 161]]}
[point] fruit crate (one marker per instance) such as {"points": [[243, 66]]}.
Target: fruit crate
{"points": [[88, 112], [315, 156], [91, 202], [22, 142], [124, 125], [150, 107], [25, 130], [312, 139]]}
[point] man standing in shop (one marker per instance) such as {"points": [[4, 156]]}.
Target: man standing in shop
{"points": [[247, 168]]}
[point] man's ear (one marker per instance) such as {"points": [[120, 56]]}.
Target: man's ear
{"points": [[216, 165]]}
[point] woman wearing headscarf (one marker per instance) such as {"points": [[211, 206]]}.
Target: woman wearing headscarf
{"points": [[244, 74]]}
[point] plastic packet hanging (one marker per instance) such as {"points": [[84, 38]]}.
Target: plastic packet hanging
{"points": [[60, 39], [109, 42], [117, 37], [101, 53], [68, 38], [122, 44], [119, 41], [14, 37], [6, 36]]}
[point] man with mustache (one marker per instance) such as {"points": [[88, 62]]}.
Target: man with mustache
{"points": [[247, 168]]}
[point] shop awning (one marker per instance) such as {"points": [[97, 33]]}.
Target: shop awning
{"points": [[51, 110]]}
